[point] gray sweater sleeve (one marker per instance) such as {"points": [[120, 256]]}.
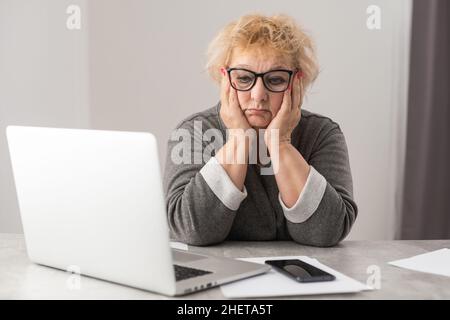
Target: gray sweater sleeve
{"points": [[196, 215], [337, 211]]}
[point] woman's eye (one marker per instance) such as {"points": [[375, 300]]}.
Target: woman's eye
{"points": [[244, 79], [277, 80]]}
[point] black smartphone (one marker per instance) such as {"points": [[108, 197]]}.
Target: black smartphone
{"points": [[300, 270]]}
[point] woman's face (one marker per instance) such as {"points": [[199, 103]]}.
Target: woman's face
{"points": [[259, 105]]}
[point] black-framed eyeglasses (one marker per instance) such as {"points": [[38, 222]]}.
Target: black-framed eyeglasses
{"points": [[274, 80]]}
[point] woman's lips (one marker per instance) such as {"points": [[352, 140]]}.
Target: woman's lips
{"points": [[256, 112]]}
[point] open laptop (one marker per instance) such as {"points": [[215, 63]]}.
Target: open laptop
{"points": [[93, 199]]}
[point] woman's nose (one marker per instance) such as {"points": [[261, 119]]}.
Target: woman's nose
{"points": [[259, 91]]}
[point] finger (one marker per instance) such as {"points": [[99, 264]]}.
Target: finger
{"points": [[234, 102], [287, 100], [296, 92], [225, 90], [302, 89], [302, 93]]}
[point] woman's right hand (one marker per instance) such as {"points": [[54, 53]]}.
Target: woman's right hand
{"points": [[230, 111], [233, 156]]}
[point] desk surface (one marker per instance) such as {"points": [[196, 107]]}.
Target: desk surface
{"points": [[21, 279]]}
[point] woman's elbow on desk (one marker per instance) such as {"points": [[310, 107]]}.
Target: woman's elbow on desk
{"points": [[320, 240], [196, 239], [195, 231], [326, 227]]}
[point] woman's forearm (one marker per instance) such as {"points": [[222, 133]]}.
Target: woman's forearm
{"points": [[233, 157], [291, 172]]}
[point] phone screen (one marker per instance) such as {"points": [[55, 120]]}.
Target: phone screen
{"points": [[300, 271]]}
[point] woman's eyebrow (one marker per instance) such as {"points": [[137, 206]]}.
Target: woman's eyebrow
{"points": [[242, 66], [249, 67]]}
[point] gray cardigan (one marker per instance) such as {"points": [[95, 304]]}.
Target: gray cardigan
{"points": [[203, 208]]}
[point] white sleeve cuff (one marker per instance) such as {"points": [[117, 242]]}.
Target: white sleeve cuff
{"points": [[220, 183], [309, 199]]}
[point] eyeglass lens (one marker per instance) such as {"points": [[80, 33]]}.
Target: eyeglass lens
{"points": [[276, 81]]}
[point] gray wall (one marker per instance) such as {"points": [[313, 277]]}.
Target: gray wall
{"points": [[43, 80], [146, 73]]}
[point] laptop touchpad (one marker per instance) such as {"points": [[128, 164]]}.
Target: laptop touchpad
{"points": [[180, 256]]}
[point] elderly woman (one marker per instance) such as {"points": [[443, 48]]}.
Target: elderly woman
{"points": [[263, 65]]}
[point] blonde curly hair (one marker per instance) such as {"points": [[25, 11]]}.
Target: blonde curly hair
{"points": [[278, 34]]}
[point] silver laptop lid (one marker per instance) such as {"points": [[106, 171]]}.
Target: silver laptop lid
{"points": [[93, 199]]}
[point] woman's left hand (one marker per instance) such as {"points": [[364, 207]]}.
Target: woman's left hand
{"points": [[289, 114]]}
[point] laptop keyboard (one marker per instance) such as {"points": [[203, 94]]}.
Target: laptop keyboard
{"points": [[183, 273]]}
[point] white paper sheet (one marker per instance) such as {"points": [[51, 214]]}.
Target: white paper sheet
{"points": [[436, 262], [273, 284], [178, 245]]}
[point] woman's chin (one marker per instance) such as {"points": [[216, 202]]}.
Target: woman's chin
{"points": [[258, 122]]}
